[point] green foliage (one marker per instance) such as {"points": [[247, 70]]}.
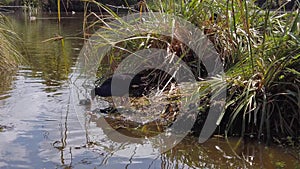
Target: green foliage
{"points": [[32, 3], [261, 54], [280, 164], [6, 2], [260, 49]]}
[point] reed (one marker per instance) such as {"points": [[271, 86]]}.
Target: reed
{"points": [[9, 54], [260, 49]]}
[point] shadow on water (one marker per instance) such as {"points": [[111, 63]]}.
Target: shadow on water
{"points": [[189, 153], [44, 131]]}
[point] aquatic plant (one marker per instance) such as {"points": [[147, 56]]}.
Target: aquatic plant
{"points": [[260, 50], [9, 54]]}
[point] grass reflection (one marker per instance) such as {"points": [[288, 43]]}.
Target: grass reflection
{"points": [[50, 60]]}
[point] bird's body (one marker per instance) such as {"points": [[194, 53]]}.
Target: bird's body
{"points": [[133, 85], [120, 85]]}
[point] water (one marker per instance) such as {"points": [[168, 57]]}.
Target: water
{"points": [[43, 130]]}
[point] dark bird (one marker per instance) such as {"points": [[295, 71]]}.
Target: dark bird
{"points": [[119, 85]]}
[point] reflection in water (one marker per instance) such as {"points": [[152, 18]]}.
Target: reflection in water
{"points": [[189, 153], [6, 79], [49, 60], [45, 131]]}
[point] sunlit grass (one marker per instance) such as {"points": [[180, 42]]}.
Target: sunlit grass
{"points": [[9, 54], [260, 49]]}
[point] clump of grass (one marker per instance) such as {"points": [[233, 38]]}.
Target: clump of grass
{"points": [[263, 72], [9, 54], [260, 50], [261, 54]]}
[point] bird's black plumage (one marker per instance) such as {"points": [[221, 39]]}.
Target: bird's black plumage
{"points": [[135, 85], [120, 85]]}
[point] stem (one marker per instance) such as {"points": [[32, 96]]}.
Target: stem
{"points": [[58, 10]]}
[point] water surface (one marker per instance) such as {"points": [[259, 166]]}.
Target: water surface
{"points": [[43, 131]]}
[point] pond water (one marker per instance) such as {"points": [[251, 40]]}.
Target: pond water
{"points": [[40, 126]]}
